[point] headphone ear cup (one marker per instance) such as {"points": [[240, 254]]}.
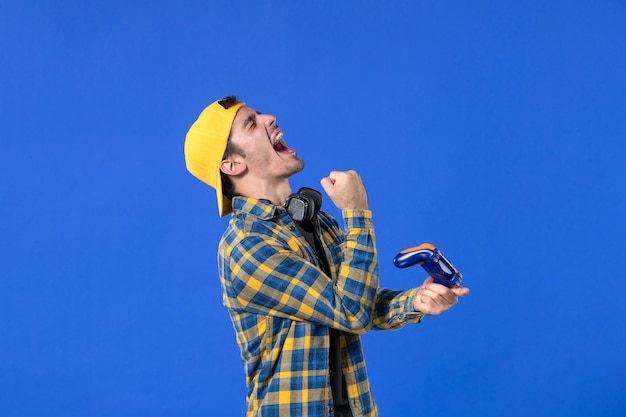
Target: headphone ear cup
{"points": [[315, 198], [304, 205], [297, 207]]}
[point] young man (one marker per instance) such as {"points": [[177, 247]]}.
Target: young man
{"points": [[299, 292]]}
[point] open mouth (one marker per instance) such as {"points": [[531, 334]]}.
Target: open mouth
{"points": [[279, 144]]}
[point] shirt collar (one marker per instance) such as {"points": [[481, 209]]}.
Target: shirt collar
{"points": [[262, 209]]}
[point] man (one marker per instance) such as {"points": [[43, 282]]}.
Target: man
{"points": [[299, 292]]}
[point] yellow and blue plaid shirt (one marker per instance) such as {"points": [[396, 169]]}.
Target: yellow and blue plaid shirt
{"points": [[282, 305]]}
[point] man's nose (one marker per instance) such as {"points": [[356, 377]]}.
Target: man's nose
{"points": [[269, 120]]}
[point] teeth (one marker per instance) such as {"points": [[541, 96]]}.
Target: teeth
{"points": [[277, 138]]}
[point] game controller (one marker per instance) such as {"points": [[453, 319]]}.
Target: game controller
{"points": [[431, 259]]}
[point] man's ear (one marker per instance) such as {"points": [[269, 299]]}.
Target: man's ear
{"points": [[233, 166]]}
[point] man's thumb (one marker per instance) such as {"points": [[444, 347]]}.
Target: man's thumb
{"points": [[327, 184]]}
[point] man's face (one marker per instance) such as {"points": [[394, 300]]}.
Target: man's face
{"points": [[260, 140]]}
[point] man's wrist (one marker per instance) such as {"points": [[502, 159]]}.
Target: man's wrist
{"points": [[410, 304]]}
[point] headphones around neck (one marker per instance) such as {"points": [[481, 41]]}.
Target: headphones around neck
{"points": [[304, 205]]}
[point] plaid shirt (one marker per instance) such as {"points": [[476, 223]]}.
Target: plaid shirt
{"points": [[282, 305]]}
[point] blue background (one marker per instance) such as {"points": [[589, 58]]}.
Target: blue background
{"points": [[493, 129]]}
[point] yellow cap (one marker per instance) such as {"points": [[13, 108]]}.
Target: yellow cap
{"points": [[205, 145]]}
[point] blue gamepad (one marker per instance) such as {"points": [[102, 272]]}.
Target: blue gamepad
{"points": [[431, 259]]}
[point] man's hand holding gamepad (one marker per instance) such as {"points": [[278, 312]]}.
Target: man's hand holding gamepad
{"points": [[433, 299]]}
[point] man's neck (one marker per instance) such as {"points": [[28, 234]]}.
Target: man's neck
{"points": [[276, 192]]}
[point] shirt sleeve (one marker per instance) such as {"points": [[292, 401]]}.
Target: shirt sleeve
{"points": [[394, 309], [265, 275]]}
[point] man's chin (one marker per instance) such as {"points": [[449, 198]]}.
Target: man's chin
{"points": [[298, 166]]}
